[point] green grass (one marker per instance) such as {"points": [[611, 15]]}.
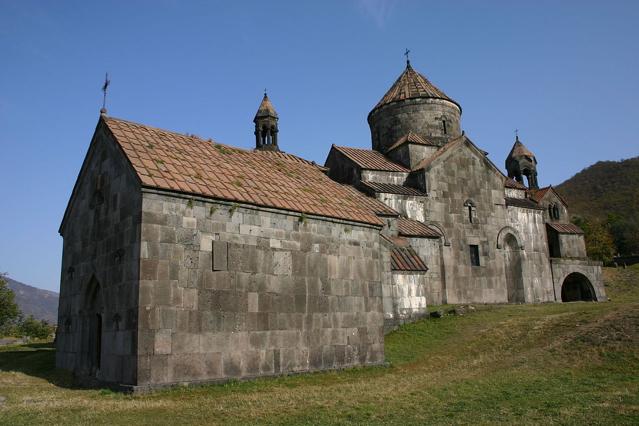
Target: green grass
{"points": [[574, 363]]}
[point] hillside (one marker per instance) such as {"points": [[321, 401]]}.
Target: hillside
{"points": [[551, 363], [608, 191], [42, 304]]}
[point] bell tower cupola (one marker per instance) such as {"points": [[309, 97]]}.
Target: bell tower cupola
{"points": [[266, 126], [522, 162]]}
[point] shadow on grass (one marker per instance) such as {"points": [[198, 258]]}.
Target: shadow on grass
{"points": [[37, 360]]}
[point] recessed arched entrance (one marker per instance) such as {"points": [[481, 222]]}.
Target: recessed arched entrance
{"points": [[577, 287], [93, 326], [513, 269]]}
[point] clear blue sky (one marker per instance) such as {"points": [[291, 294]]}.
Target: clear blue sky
{"points": [[566, 73]]}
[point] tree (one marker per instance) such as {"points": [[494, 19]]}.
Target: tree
{"points": [[9, 311], [36, 329], [599, 242]]}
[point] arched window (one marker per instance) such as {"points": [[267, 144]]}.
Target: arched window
{"points": [[555, 212], [471, 211]]}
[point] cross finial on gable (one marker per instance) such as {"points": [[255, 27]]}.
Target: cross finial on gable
{"points": [[105, 86]]}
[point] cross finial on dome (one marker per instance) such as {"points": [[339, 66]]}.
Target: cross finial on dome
{"points": [[516, 135], [407, 59]]}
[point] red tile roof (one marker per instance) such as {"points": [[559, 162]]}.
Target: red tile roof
{"points": [[370, 159], [565, 228], [410, 137], [411, 85], [413, 228], [525, 203], [188, 164], [539, 194], [406, 259], [513, 184], [390, 188]]}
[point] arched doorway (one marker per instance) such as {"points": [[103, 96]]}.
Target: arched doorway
{"points": [[577, 287], [93, 327], [513, 270]]}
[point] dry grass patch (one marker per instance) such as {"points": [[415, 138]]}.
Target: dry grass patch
{"points": [[529, 364]]}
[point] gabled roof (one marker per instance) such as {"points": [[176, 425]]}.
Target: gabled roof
{"points": [[413, 228], [410, 85], [565, 228], [265, 109], [450, 147], [188, 164], [539, 194], [406, 259], [390, 188], [410, 137], [369, 159], [443, 150]]}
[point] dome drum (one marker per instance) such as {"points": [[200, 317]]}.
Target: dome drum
{"points": [[434, 119]]}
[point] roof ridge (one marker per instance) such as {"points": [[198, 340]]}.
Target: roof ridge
{"points": [[173, 132], [379, 156], [410, 137], [184, 164]]}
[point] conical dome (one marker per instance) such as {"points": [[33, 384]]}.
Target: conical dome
{"points": [[520, 150], [265, 109], [411, 85], [414, 104]]}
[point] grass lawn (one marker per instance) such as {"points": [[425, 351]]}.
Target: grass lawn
{"points": [[575, 363]]}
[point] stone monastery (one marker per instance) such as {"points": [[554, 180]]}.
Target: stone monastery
{"points": [[186, 260]]}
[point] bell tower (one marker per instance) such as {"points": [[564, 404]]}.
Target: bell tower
{"points": [[522, 162], [266, 126]]}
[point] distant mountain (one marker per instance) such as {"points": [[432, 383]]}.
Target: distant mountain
{"points": [[42, 304], [608, 191]]}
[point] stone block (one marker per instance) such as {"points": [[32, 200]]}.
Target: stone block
{"points": [[185, 343], [232, 364], [162, 342], [220, 255]]}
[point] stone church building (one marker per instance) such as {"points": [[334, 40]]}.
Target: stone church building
{"points": [[186, 260]]}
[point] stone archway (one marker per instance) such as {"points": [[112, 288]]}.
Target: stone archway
{"points": [[577, 287], [513, 269], [93, 327]]}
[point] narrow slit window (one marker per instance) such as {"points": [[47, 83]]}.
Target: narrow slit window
{"points": [[444, 126], [474, 255]]}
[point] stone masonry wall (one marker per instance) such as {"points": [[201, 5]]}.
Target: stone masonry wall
{"points": [[100, 269], [431, 251], [466, 176], [572, 245], [231, 291], [531, 232], [409, 296], [395, 178]]}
